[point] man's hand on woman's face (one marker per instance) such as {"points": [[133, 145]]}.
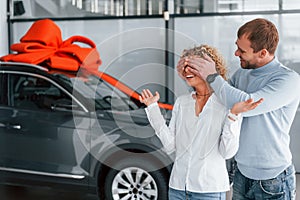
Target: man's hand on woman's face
{"points": [[181, 67], [201, 67]]}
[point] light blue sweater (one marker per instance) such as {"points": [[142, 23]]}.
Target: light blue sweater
{"points": [[264, 141]]}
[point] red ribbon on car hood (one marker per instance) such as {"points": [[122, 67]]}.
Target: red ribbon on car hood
{"points": [[43, 44]]}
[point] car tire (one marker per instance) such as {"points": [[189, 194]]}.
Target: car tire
{"points": [[132, 178]]}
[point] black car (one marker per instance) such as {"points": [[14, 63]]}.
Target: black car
{"points": [[74, 130]]}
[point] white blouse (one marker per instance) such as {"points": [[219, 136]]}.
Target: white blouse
{"points": [[201, 143]]}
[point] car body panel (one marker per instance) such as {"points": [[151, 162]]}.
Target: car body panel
{"points": [[53, 133]]}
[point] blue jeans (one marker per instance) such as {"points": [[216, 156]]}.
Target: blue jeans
{"points": [[186, 195], [282, 187]]}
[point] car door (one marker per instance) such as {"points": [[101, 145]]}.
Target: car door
{"points": [[46, 132], [4, 112]]}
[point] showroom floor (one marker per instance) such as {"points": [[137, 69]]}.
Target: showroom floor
{"points": [[20, 193]]}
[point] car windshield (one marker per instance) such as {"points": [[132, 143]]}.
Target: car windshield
{"points": [[105, 96]]}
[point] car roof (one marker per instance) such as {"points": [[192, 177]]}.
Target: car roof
{"points": [[26, 65], [104, 76]]}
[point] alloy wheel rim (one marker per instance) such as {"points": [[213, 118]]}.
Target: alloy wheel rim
{"points": [[134, 183]]}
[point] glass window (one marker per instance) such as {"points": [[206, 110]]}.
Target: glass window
{"points": [[3, 89], [247, 5], [221, 6], [36, 93], [185, 7], [104, 95], [222, 34], [290, 4], [119, 8], [86, 8]]}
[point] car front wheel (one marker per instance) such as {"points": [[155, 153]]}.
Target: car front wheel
{"points": [[131, 178]]}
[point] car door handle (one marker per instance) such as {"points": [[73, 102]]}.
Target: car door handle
{"points": [[14, 126], [100, 115], [10, 126]]}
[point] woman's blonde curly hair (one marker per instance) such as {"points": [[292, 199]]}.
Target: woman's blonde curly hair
{"points": [[211, 52]]}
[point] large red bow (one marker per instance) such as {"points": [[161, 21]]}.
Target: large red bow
{"points": [[43, 44]]}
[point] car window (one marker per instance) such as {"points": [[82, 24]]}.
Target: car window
{"points": [[35, 93], [3, 89], [108, 97], [105, 96]]}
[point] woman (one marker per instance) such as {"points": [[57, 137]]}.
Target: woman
{"points": [[202, 133]]}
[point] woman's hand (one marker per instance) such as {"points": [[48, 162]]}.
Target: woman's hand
{"points": [[245, 106], [147, 97]]}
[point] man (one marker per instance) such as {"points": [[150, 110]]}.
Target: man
{"points": [[264, 160]]}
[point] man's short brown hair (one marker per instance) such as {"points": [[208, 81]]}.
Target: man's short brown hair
{"points": [[261, 33]]}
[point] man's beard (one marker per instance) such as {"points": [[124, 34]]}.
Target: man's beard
{"points": [[246, 65]]}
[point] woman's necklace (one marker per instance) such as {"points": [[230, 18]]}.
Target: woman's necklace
{"points": [[202, 95]]}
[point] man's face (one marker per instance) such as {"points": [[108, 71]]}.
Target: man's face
{"points": [[248, 59]]}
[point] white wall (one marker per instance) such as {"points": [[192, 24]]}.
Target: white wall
{"points": [[3, 28]]}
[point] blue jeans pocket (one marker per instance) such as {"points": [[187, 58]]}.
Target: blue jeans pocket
{"points": [[283, 187], [272, 189]]}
